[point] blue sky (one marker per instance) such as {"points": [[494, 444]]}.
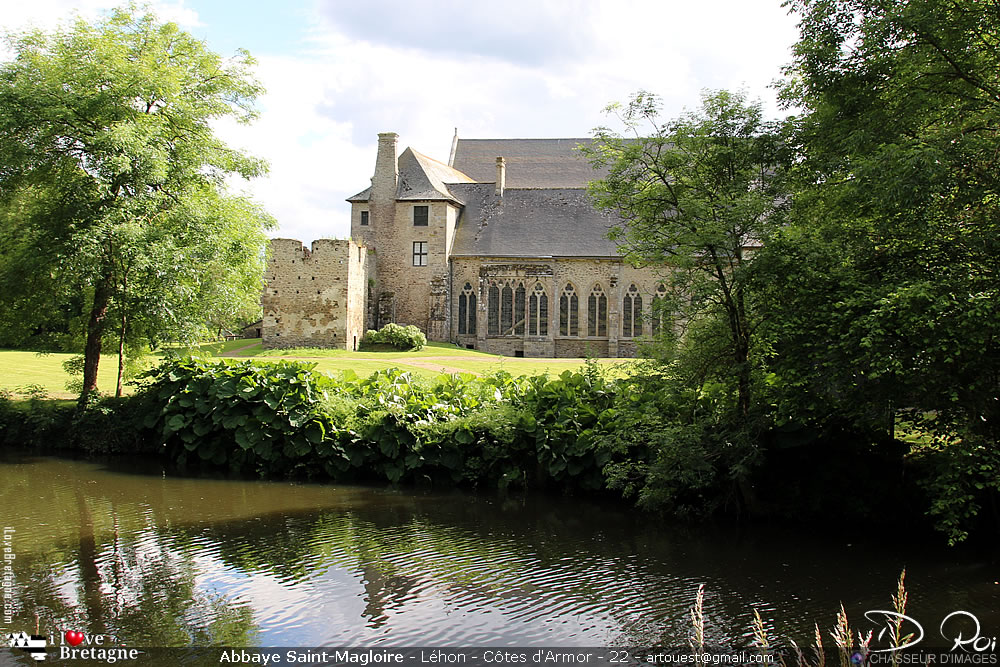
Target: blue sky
{"points": [[339, 72]]}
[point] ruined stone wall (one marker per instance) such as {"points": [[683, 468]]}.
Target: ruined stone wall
{"points": [[314, 297], [553, 275], [358, 274]]}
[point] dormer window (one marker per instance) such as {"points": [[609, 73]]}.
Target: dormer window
{"points": [[364, 218], [420, 216]]}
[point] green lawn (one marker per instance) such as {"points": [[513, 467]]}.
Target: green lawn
{"points": [[18, 369]]}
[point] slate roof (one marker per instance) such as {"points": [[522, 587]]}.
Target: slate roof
{"points": [[558, 222], [531, 163], [362, 196], [421, 178]]}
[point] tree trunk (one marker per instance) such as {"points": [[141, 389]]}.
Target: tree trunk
{"points": [[95, 330], [121, 359]]}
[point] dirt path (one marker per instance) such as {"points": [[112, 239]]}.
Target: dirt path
{"points": [[428, 363], [236, 352], [422, 362]]}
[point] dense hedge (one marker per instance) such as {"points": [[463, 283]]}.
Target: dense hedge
{"points": [[105, 426]]}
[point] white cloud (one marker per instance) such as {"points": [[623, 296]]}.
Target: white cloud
{"points": [[524, 68]]}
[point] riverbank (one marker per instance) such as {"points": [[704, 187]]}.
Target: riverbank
{"points": [[579, 433]]}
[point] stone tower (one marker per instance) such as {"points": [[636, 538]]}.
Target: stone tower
{"points": [[407, 219]]}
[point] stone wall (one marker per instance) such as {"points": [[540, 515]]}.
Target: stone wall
{"points": [[419, 294], [314, 297], [553, 274]]}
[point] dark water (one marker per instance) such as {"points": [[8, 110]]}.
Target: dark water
{"points": [[158, 560]]}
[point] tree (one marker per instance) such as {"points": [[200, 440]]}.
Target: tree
{"points": [[696, 195], [901, 132], [901, 203], [115, 184]]}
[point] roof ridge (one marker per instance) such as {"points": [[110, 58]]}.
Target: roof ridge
{"points": [[530, 139]]}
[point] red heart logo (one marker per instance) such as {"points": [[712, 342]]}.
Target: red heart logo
{"points": [[73, 637]]}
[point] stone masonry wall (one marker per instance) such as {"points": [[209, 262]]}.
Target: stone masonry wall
{"points": [[419, 293], [554, 274], [314, 297]]}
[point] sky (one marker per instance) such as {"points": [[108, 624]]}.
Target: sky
{"points": [[339, 72]]}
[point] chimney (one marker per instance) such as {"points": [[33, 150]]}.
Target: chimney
{"points": [[501, 175], [386, 169], [454, 149]]}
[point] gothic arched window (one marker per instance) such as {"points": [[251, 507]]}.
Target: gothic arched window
{"points": [[632, 313], [519, 310], [658, 314], [467, 311], [538, 312], [493, 310], [569, 312], [597, 312], [506, 309]]}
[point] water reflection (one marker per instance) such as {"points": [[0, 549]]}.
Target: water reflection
{"points": [[168, 561]]}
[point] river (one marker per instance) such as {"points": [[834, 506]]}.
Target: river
{"points": [[156, 559]]}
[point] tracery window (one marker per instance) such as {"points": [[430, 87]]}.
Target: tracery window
{"points": [[597, 312], [569, 312], [467, 311], [632, 313], [538, 312], [519, 310], [658, 316], [505, 309], [493, 310]]}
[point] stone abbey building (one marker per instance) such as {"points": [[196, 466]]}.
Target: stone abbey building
{"points": [[498, 250]]}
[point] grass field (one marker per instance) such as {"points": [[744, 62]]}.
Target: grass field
{"points": [[20, 369]]}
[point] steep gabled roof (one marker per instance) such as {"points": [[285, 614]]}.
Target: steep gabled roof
{"points": [[423, 178], [531, 163], [559, 222]]}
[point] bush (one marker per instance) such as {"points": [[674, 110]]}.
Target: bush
{"points": [[406, 338]]}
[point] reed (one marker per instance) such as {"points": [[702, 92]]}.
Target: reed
{"points": [[853, 647], [697, 640]]}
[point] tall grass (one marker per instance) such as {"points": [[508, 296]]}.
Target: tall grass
{"points": [[853, 647]]}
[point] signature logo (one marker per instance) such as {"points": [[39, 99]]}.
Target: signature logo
{"points": [[960, 628]]}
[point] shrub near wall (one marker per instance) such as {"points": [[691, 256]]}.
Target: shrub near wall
{"points": [[406, 338]]}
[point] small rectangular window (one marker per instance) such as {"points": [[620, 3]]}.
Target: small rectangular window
{"points": [[364, 218], [419, 216], [420, 253]]}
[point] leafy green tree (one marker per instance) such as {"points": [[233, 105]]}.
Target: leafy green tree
{"points": [[696, 195], [888, 304], [115, 184]]}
